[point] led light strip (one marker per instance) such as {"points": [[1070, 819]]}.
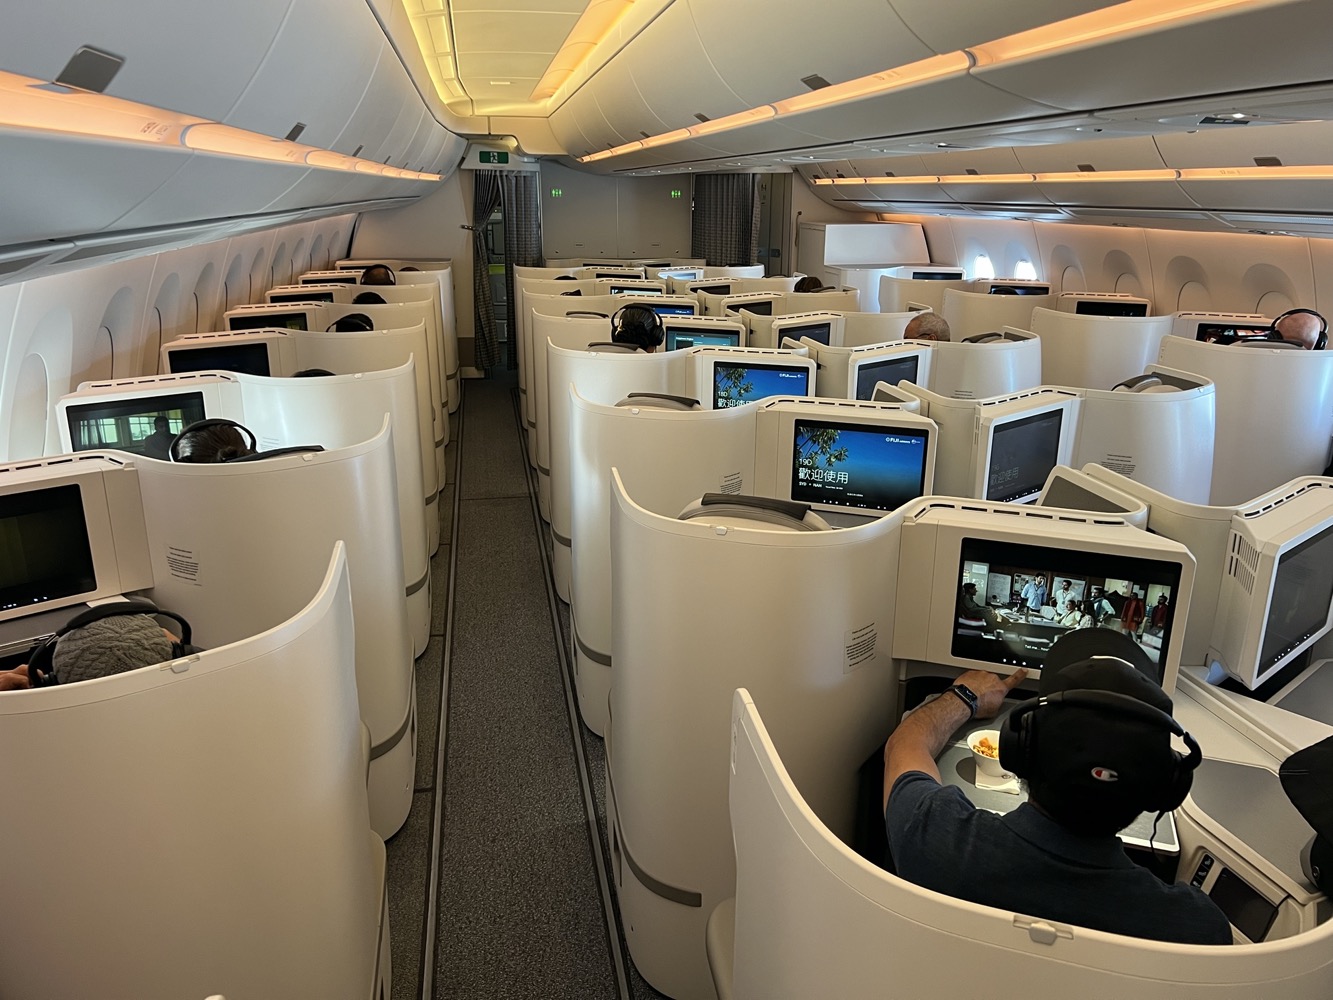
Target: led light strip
{"points": [[35, 105], [596, 23], [1187, 174], [1130, 18]]}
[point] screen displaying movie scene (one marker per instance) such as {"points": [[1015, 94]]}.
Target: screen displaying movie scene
{"points": [[143, 426], [250, 359], [679, 338], [44, 550], [736, 384], [1022, 454], [1015, 600], [890, 370], [1109, 307], [1211, 333], [863, 466], [1302, 593], [267, 321]]}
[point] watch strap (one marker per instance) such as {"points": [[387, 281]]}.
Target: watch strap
{"points": [[967, 696]]}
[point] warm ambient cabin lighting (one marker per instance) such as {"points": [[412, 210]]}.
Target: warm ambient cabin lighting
{"points": [[35, 105], [598, 19], [1124, 19], [1293, 173]]}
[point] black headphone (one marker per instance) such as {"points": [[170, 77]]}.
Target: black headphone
{"points": [[1019, 739], [351, 323], [41, 673], [379, 271], [173, 451], [1320, 342], [640, 330]]}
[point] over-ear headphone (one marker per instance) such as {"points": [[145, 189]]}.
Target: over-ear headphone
{"points": [[1020, 741], [173, 451], [41, 673], [378, 274], [1321, 341], [351, 323], [642, 327]]}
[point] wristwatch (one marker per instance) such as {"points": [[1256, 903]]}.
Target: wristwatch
{"points": [[968, 697]]}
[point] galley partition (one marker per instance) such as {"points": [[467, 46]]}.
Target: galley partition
{"points": [[214, 806], [232, 544], [671, 458], [698, 614], [1274, 413], [603, 378], [970, 313], [1096, 352], [573, 333], [813, 918]]}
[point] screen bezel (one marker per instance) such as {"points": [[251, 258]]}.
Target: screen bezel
{"points": [[989, 416], [76, 412], [1019, 288], [793, 365], [1284, 656], [271, 318], [195, 347], [1009, 425], [673, 333], [798, 330], [788, 436], [859, 364], [1111, 308]]}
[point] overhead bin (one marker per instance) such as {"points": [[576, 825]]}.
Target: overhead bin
{"points": [[940, 26], [622, 104]]}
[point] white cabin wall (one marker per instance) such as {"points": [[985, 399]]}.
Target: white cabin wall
{"points": [[108, 321], [598, 216]]}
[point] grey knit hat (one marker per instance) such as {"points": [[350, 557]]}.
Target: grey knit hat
{"points": [[110, 646]]}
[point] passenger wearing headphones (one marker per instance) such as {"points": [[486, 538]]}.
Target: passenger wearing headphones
{"points": [[212, 440], [638, 327], [927, 326], [1095, 752], [1302, 326]]}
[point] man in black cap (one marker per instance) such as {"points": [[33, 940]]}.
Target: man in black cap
{"points": [[1095, 751]]}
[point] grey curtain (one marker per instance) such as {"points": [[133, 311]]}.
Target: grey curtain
{"points": [[486, 195], [523, 235], [725, 224]]}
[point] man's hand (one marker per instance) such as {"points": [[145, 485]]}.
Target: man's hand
{"points": [[15, 680], [991, 689]]}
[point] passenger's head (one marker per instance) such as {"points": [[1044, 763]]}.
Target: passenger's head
{"points": [[105, 640], [1302, 326], [637, 326], [161, 424], [312, 373], [213, 440], [927, 326], [1095, 748], [809, 283], [378, 274], [368, 299]]}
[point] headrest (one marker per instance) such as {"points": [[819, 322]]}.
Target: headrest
{"points": [[983, 338], [740, 510], [1307, 778], [1145, 383], [1272, 345], [606, 347], [659, 401]]}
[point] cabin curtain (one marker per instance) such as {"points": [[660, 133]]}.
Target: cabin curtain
{"points": [[724, 227], [523, 235], [486, 199]]}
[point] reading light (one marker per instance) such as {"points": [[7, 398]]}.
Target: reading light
{"points": [[34, 105]]}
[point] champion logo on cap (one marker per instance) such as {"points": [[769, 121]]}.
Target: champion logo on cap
{"points": [[1104, 774]]}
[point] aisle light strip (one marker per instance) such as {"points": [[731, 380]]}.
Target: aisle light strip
{"points": [[1124, 19], [1189, 174], [599, 19], [35, 105]]}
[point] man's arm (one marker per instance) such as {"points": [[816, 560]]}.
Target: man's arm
{"points": [[921, 736]]}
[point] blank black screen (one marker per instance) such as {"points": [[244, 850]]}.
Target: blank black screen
{"points": [[44, 550], [890, 370], [1302, 593], [278, 297], [935, 275], [1248, 911], [1109, 307], [267, 321], [1002, 289], [820, 333], [760, 307], [251, 359], [1023, 453]]}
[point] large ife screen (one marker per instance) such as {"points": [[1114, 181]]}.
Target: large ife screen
{"points": [[735, 384], [1034, 594], [1023, 452], [267, 321], [44, 550], [857, 465], [668, 309], [251, 359], [1210, 332], [1109, 307], [890, 370], [712, 289], [935, 275], [345, 278], [1002, 289], [634, 290], [820, 333], [1302, 595], [680, 337], [760, 307], [143, 426], [279, 297]]}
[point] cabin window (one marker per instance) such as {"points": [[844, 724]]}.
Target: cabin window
{"points": [[1024, 271], [982, 267]]}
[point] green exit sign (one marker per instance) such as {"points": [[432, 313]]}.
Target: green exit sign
{"points": [[557, 193], [675, 193], [491, 156]]}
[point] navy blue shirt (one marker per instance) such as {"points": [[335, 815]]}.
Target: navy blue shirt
{"points": [[1027, 863]]}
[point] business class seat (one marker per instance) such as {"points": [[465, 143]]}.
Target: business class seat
{"points": [[197, 826], [814, 919], [1094, 352]]}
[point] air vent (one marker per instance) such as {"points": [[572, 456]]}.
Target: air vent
{"points": [[295, 132], [814, 81], [1267, 161], [1242, 561], [1087, 168], [90, 69], [357, 151], [701, 117]]}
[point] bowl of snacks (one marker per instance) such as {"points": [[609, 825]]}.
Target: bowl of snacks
{"points": [[985, 744]]}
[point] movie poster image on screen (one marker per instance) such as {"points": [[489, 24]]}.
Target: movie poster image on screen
{"points": [[735, 385], [863, 466]]}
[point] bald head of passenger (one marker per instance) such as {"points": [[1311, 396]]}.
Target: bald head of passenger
{"points": [[927, 326], [1302, 326]]}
